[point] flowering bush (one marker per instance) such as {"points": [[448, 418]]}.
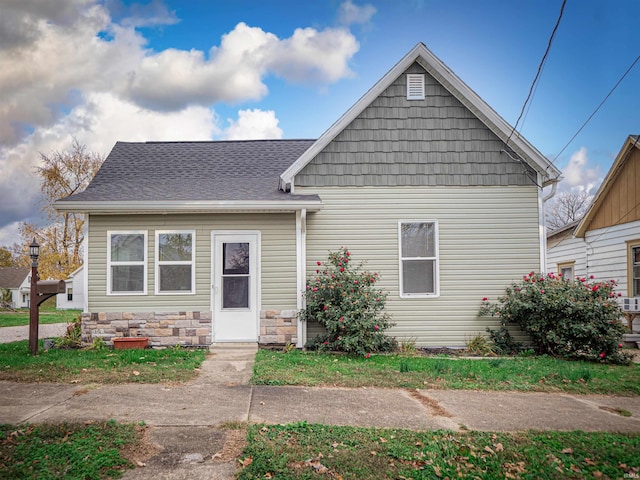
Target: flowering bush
{"points": [[575, 319], [344, 299]]}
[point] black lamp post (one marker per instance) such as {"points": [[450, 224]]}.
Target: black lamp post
{"points": [[34, 253]]}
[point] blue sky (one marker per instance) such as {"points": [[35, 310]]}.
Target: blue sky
{"points": [[109, 70]]}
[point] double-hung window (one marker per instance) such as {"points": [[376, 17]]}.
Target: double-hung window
{"points": [[127, 263], [418, 245], [634, 269], [175, 262]]}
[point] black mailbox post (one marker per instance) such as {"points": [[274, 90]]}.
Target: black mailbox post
{"points": [[41, 290]]}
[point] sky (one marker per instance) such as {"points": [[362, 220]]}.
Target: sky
{"points": [[102, 71]]}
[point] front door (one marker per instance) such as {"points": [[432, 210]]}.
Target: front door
{"points": [[235, 287]]}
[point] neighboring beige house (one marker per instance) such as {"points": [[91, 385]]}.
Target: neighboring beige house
{"points": [[73, 297], [201, 242], [605, 243], [18, 281]]}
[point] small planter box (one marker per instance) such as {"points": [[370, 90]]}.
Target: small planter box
{"points": [[124, 343]]}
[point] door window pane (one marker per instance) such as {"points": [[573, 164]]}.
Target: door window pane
{"points": [[235, 292], [235, 258], [635, 271]]}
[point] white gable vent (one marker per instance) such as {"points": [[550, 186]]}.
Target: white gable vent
{"points": [[415, 86]]}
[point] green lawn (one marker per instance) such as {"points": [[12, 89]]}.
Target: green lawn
{"points": [[47, 315], [302, 451], [98, 366], [67, 450], [541, 374]]}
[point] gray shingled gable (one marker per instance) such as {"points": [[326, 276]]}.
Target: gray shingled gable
{"points": [[195, 171], [12, 277]]}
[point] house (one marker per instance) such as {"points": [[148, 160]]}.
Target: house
{"points": [[73, 296], [18, 281], [605, 243], [201, 242]]}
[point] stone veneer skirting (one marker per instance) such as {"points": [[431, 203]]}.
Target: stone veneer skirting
{"points": [[162, 328], [278, 326], [181, 328]]}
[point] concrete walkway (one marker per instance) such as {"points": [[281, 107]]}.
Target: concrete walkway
{"points": [[188, 420]]}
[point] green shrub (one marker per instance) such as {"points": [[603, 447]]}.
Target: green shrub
{"points": [[571, 319], [343, 298], [503, 342]]}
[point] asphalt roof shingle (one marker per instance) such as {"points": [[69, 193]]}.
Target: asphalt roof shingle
{"points": [[12, 277], [195, 171]]}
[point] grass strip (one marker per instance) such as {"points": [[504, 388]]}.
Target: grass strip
{"points": [[47, 316], [306, 451], [98, 365], [526, 374], [67, 450]]}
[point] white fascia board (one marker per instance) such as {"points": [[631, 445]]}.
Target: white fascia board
{"points": [[98, 207], [434, 66]]}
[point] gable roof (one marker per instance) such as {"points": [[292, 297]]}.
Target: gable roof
{"points": [[12, 277], [632, 143], [434, 66], [193, 176]]}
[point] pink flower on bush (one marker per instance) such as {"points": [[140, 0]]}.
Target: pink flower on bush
{"points": [[542, 291], [367, 355], [602, 355], [319, 263], [324, 308], [325, 343], [355, 281], [484, 299], [531, 274], [595, 288], [591, 277], [376, 328], [341, 269], [347, 253], [619, 345]]}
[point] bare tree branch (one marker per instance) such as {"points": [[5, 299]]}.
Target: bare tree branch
{"points": [[567, 207]]}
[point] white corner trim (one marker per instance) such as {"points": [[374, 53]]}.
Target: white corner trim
{"points": [[85, 264], [301, 273]]}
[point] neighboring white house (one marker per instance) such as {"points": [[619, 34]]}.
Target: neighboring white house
{"points": [[606, 242], [73, 297], [18, 281]]}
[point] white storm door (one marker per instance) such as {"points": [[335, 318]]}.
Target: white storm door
{"points": [[235, 287]]}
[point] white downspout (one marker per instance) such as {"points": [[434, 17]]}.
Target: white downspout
{"points": [[301, 274], [85, 263]]}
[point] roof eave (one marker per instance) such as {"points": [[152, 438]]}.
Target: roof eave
{"points": [[435, 67], [622, 157], [150, 207]]}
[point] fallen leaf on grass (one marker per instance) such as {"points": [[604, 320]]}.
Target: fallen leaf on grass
{"points": [[488, 449], [246, 462], [588, 461], [499, 447], [136, 373], [568, 451]]}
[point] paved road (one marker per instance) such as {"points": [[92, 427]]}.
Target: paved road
{"points": [[13, 334]]}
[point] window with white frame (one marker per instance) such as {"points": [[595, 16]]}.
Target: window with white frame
{"points": [[567, 270], [634, 270], [175, 262], [127, 263], [418, 245]]}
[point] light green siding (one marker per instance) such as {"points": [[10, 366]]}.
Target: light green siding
{"points": [[488, 237], [278, 259]]}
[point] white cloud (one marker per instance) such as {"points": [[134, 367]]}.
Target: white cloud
{"points": [[253, 124], [10, 234], [80, 68], [350, 13], [579, 174]]}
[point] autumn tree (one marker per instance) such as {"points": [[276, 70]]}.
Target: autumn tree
{"points": [[61, 174], [6, 258], [567, 207]]}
